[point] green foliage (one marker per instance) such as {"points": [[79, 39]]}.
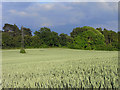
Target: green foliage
{"points": [[28, 40], [27, 31], [86, 37], [110, 47], [77, 31], [65, 40], [7, 41], [53, 40], [44, 46], [99, 29], [22, 50], [36, 42], [49, 38], [11, 36]]}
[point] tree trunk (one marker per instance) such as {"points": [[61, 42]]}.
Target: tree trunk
{"points": [[22, 41]]}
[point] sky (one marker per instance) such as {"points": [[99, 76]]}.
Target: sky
{"points": [[61, 17], [59, 0]]}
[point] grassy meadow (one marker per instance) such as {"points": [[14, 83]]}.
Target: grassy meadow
{"points": [[59, 68]]}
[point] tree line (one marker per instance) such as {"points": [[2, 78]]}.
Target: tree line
{"points": [[86, 38]]}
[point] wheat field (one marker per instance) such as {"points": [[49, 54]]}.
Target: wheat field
{"points": [[59, 68]]}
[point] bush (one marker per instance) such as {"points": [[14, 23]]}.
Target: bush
{"points": [[105, 47], [100, 47], [44, 46], [88, 48], [110, 47], [22, 50]]}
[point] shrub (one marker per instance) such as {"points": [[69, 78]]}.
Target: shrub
{"points": [[22, 51], [105, 47]]}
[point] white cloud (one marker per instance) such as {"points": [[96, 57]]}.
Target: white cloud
{"points": [[108, 6], [59, 13], [56, 14], [20, 13], [47, 7], [39, 6]]}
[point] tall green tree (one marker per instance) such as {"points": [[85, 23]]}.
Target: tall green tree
{"points": [[44, 35], [27, 31], [81, 37], [13, 30], [111, 38], [36, 42], [99, 29], [65, 40], [54, 39], [79, 30], [7, 40], [88, 39], [49, 38]]}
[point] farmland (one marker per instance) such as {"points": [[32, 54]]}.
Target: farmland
{"points": [[59, 68]]}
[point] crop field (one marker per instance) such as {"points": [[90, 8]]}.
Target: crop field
{"points": [[59, 68]]}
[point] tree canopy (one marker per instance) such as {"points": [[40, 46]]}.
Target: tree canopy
{"points": [[85, 37]]}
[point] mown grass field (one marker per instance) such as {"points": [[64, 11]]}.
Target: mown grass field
{"points": [[59, 68]]}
